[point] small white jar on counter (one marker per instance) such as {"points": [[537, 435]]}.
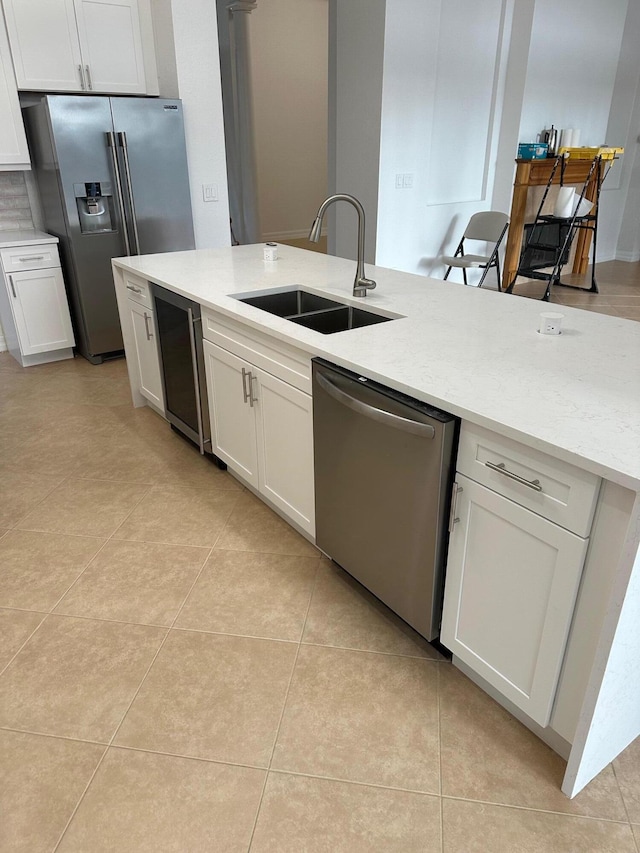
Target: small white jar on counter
{"points": [[271, 251]]}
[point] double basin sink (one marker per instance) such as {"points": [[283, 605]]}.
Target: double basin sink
{"points": [[315, 312]]}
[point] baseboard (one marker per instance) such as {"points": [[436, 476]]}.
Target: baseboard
{"points": [[281, 236], [630, 257], [3, 343]]}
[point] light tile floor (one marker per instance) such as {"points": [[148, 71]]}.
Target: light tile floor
{"points": [[180, 671]]}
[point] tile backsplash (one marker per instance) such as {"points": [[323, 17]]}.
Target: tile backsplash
{"points": [[15, 209]]}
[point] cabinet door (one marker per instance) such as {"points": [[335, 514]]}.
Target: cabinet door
{"points": [[233, 420], [146, 350], [40, 310], [285, 448], [111, 45], [44, 44], [510, 588], [14, 153]]}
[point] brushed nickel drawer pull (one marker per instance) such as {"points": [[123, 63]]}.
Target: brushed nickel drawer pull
{"points": [[501, 469], [31, 258], [134, 288], [246, 394], [252, 399], [146, 326], [454, 506], [13, 287]]}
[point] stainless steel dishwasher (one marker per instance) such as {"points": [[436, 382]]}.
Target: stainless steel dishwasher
{"points": [[383, 468]]}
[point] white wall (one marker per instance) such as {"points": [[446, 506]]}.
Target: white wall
{"points": [[289, 70], [572, 67], [595, 57], [619, 224], [355, 114], [186, 36], [444, 76], [459, 86]]}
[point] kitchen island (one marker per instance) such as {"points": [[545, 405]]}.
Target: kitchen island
{"points": [[477, 354]]}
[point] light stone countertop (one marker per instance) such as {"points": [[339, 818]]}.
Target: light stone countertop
{"points": [[474, 352], [10, 239]]}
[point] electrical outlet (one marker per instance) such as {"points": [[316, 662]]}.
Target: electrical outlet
{"points": [[404, 180], [210, 192]]}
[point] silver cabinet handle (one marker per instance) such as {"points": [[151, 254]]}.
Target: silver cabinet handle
{"points": [[31, 258], [89, 83], [246, 394], [146, 326], [122, 142], [252, 399], [501, 469], [134, 288], [375, 414], [111, 145], [454, 506], [13, 288], [82, 83]]}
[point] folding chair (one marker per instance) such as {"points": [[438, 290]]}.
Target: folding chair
{"points": [[489, 227]]}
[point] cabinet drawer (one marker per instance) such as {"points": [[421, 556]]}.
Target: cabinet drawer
{"points": [[35, 256], [276, 357], [138, 289], [554, 489]]}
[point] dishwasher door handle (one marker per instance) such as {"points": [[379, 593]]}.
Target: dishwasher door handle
{"points": [[372, 412]]}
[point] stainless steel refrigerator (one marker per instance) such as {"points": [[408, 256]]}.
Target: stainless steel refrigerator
{"points": [[113, 181]]}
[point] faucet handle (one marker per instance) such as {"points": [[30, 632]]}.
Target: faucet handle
{"points": [[361, 285]]}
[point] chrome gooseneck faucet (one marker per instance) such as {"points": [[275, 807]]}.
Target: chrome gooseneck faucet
{"points": [[361, 284]]}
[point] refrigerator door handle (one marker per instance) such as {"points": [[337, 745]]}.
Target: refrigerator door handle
{"points": [[122, 142], [111, 145]]}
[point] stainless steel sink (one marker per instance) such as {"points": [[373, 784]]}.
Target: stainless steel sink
{"points": [[315, 312], [288, 303], [339, 319]]}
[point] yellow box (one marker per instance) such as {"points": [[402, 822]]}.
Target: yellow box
{"points": [[604, 151]]}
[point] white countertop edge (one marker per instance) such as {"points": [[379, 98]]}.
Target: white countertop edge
{"points": [[13, 239], [340, 348]]}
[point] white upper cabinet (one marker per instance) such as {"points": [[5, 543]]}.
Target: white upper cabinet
{"points": [[14, 153], [81, 45]]}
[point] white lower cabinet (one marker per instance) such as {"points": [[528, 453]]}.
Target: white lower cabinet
{"points": [[33, 304], [233, 422], [146, 353], [513, 575], [262, 428], [40, 309], [512, 580]]}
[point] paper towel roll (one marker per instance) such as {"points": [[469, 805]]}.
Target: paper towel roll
{"points": [[566, 138], [575, 141], [565, 203], [583, 208]]}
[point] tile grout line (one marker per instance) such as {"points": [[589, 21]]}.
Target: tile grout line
{"points": [[284, 705], [624, 803], [37, 504], [133, 698], [37, 628], [535, 810], [441, 803]]}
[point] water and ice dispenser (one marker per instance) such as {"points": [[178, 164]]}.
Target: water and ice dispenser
{"points": [[95, 206]]}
